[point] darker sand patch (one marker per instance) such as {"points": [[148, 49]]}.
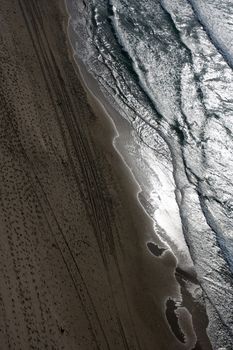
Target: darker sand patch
{"points": [[173, 320], [155, 249], [196, 307]]}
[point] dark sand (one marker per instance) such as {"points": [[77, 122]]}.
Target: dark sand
{"points": [[75, 269]]}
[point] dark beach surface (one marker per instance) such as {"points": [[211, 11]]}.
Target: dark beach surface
{"points": [[75, 269]]}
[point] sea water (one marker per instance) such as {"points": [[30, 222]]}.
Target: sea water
{"points": [[166, 66]]}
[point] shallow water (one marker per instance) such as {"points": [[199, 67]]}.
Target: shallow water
{"points": [[167, 67]]}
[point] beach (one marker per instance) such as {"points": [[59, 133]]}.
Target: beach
{"points": [[76, 272]]}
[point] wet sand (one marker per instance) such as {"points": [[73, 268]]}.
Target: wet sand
{"points": [[75, 269]]}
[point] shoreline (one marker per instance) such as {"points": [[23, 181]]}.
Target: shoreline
{"points": [[122, 144], [185, 271], [109, 115], [193, 212], [76, 268]]}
